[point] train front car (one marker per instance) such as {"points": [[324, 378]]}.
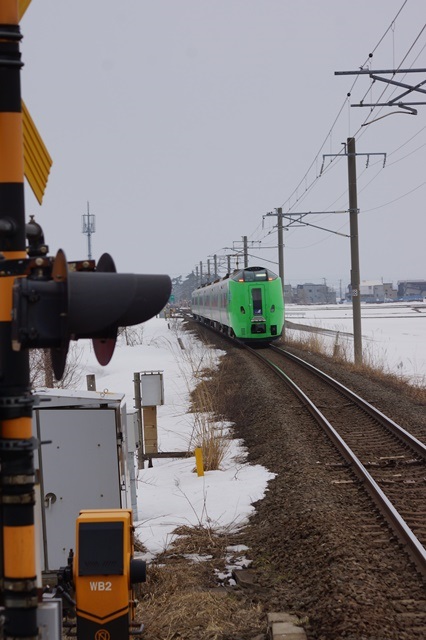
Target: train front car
{"points": [[256, 305], [247, 305]]}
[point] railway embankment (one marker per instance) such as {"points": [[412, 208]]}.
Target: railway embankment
{"points": [[318, 548]]}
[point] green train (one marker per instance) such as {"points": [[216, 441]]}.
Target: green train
{"points": [[248, 305]]}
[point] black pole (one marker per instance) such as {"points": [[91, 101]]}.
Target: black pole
{"points": [[19, 592]]}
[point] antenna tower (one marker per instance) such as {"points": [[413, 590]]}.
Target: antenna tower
{"points": [[89, 227]]}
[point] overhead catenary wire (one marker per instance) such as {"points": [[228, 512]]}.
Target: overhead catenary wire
{"points": [[308, 181], [309, 185], [342, 107], [381, 95]]}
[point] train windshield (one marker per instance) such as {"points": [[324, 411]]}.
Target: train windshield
{"points": [[254, 274], [256, 295]]}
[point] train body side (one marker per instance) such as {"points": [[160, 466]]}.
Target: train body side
{"points": [[248, 305]]}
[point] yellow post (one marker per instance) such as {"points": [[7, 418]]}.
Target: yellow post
{"points": [[199, 461]]}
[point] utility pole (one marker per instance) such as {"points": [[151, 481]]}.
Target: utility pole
{"points": [[201, 273], [355, 271], [279, 214], [245, 252], [215, 265], [228, 258], [280, 246], [354, 239]]}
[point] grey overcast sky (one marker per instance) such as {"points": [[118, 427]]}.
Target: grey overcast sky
{"points": [[184, 122]]}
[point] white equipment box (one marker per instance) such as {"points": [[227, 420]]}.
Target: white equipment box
{"points": [[81, 463]]}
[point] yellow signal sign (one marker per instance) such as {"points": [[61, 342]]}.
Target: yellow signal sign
{"points": [[37, 161], [22, 7]]}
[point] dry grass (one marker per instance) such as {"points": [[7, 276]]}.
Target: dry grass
{"points": [[197, 361], [181, 598], [209, 434], [372, 368]]}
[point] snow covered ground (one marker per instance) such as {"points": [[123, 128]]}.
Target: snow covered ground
{"points": [[170, 493], [393, 335]]}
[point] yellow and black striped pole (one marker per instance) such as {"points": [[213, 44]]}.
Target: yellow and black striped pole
{"points": [[18, 571]]}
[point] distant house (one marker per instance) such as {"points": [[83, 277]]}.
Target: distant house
{"points": [[310, 293], [377, 291], [411, 289], [288, 293]]}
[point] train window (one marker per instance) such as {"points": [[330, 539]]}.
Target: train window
{"points": [[242, 310], [254, 274], [260, 276], [256, 295]]}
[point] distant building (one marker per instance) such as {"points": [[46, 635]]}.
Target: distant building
{"points": [[411, 289], [310, 293], [375, 291], [288, 293]]}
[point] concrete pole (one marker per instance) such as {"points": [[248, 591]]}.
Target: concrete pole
{"points": [[281, 253], [355, 271], [245, 252], [280, 246]]}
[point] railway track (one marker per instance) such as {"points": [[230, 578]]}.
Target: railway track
{"points": [[319, 546], [388, 461]]}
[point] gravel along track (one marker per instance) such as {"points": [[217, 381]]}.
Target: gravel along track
{"points": [[398, 470], [318, 548]]}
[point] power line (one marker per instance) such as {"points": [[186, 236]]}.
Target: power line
{"points": [[309, 183], [396, 199], [339, 113]]}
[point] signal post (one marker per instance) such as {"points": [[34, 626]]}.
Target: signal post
{"points": [[19, 589], [44, 303]]}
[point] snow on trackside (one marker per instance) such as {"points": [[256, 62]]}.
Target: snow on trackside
{"points": [[393, 334], [170, 493]]}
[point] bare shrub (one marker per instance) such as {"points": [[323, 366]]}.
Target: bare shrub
{"points": [[208, 434], [132, 336], [197, 361], [41, 371]]}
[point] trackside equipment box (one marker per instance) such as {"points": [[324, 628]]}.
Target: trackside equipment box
{"points": [[104, 571], [81, 463]]}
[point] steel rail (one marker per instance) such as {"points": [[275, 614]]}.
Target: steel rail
{"points": [[406, 437], [397, 523]]}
